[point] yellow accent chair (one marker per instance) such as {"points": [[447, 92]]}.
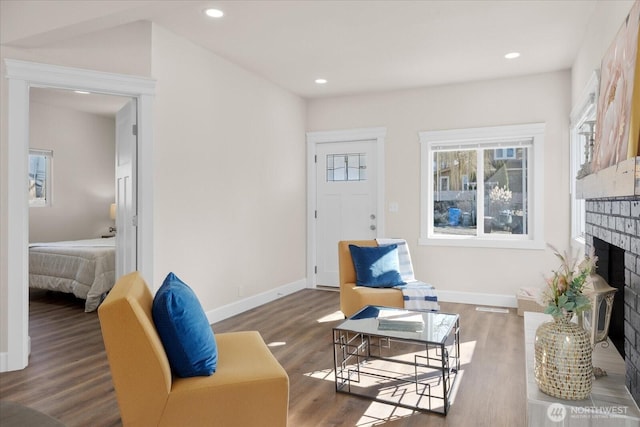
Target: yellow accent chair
{"points": [[353, 297], [249, 387]]}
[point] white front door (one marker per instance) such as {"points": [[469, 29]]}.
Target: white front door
{"points": [[346, 201], [126, 206]]}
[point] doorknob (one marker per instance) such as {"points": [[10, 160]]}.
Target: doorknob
{"points": [[372, 227]]}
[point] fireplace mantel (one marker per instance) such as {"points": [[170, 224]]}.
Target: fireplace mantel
{"points": [[621, 180]]}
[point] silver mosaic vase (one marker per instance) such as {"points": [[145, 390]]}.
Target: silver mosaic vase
{"points": [[563, 366]]}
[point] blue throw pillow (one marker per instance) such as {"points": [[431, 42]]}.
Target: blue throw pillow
{"points": [[376, 266], [184, 329]]}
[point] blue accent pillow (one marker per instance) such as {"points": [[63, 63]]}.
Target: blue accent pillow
{"points": [[376, 266], [184, 330]]}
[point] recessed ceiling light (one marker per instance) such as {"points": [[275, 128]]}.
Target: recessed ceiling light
{"points": [[214, 13], [82, 92], [321, 81], [512, 55]]}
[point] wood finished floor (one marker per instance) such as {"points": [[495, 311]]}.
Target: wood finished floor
{"points": [[68, 374]]}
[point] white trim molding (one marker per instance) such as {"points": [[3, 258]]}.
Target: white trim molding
{"points": [[23, 75], [476, 298], [60, 77], [376, 134], [254, 301], [584, 109], [526, 135]]}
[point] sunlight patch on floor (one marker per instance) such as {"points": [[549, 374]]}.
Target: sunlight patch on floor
{"points": [[276, 344], [381, 413], [456, 387], [467, 349], [325, 374], [331, 317]]}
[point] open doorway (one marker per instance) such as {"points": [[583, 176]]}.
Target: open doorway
{"points": [[73, 153], [79, 131], [21, 77]]}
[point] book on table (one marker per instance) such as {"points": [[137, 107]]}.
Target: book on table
{"points": [[405, 321]]}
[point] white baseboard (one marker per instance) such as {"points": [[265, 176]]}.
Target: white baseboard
{"points": [[5, 366], [229, 310], [495, 300]]}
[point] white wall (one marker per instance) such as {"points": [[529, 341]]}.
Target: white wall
{"points": [[603, 26], [531, 99], [230, 189], [83, 178]]}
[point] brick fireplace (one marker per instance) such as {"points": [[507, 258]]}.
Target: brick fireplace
{"points": [[616, 222]]}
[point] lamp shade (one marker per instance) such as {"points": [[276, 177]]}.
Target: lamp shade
{"points": [[112, 211]]}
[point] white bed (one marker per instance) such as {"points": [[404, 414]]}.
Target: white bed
{"points": [[84, 268]]}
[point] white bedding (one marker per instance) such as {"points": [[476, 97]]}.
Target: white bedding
{"points": [[84, 268]]}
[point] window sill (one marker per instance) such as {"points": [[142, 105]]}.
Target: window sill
{"points": [[479, 242]]}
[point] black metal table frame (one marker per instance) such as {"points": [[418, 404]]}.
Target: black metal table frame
{"points": [[349, 344]]}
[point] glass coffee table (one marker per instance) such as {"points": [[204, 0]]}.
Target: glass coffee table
{"points": [[405, 358]]}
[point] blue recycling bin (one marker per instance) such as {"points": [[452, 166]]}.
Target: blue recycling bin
{"points": [[454, 216]]}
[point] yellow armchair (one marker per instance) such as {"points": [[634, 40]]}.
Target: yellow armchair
{"points": [[352, 297], [249, 387]]}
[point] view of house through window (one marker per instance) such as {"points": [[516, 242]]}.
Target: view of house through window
{"points": [[40, 177], [501, 206], [483, 186]]}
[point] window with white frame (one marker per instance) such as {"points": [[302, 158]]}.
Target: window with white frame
{"points": [[582, 137], [504, 153], [493, 195], [40, 177]]}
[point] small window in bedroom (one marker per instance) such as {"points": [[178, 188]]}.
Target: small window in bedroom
{"points": [[40, 177]]}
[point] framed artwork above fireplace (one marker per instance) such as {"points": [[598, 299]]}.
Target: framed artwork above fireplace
{"points": [[618, 112], [613, 169]]}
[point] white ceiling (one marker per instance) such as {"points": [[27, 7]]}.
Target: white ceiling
{"points": [[359, 46], [101, 105]]}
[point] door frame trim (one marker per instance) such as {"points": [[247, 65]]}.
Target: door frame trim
{"points": [[377, 135], [22, 75]]}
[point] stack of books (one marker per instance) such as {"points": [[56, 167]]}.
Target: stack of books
{"points": [[407, 322]]}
